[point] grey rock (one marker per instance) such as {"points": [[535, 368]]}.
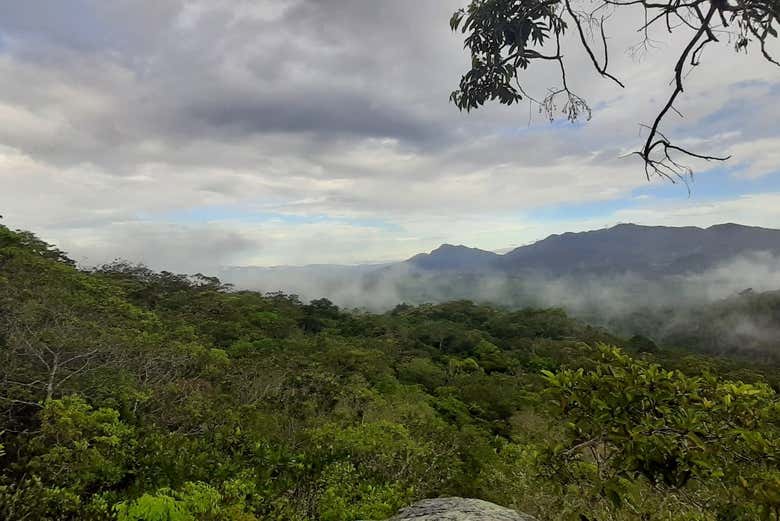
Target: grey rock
{"points": [[458, 509]]}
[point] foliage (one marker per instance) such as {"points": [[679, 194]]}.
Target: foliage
{"points": [[129, 394], [194, 501], [505, 37], [632, 420]]}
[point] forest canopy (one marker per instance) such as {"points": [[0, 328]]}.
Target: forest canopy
{"points": [[131, 394]]}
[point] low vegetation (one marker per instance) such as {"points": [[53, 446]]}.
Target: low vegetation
{"points": [[134, 395]]}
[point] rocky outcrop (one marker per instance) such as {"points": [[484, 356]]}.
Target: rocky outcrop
{"points": [[458, 509]]}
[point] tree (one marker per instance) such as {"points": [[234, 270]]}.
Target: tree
{"points": [[632, 420], [58, 326], [506, 36]]}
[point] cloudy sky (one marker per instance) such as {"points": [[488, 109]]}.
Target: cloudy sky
{"points": [[192, 134]]}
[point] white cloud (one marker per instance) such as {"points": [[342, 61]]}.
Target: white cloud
{"points": [[754, 209], [117, 119], [762, 157]]}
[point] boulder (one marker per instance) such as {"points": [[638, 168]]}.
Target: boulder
{"points": [[457, 509]]}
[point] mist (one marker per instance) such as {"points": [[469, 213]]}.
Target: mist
{"points": [[707, 304], [381, 287]]}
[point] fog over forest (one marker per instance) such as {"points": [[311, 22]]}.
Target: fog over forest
{"points": [[235, 286], [380, 287]]}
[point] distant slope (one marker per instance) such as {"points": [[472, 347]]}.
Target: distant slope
{"points": [[621, 249], [645, 250], [612, 267], [459, 258], [745, 324]]}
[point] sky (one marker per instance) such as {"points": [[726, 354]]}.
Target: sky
{"points": [[195, 134]]}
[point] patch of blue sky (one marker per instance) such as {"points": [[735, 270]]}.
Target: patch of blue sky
{"points": [[716, 185], [735, 108], [750, 83], [207, 214], [201, 214], [540, 124], [579, 211], [380, 224], [729, 111]]}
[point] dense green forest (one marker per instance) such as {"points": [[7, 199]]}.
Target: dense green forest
{"points": [[746, 326], [673, 311], [135, 395]]}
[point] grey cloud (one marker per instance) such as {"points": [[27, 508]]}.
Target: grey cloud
{"points": [[333, 113], [175, 248], [325, 70], [342, 68], [87, 25], [603, 297], [134, 107]]}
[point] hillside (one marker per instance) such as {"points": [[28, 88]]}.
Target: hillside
{"points": [[645, 250], [687, 263], [745, 325], [625, 248], [134, 395], [457, 258]]}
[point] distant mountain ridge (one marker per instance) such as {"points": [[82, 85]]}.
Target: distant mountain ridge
{"points": [[641, 263], [625, 248], [450, 257]]}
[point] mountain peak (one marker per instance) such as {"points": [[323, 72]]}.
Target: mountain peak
{"points": [[454, 257], [734, 226], [447, 248], [647, 250]]}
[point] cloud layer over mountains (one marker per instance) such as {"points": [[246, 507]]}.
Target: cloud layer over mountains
{"points": [[196, 134], [606, 273]]}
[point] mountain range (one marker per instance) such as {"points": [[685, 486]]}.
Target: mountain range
{"points": [[625, 248], [615, 267]]}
